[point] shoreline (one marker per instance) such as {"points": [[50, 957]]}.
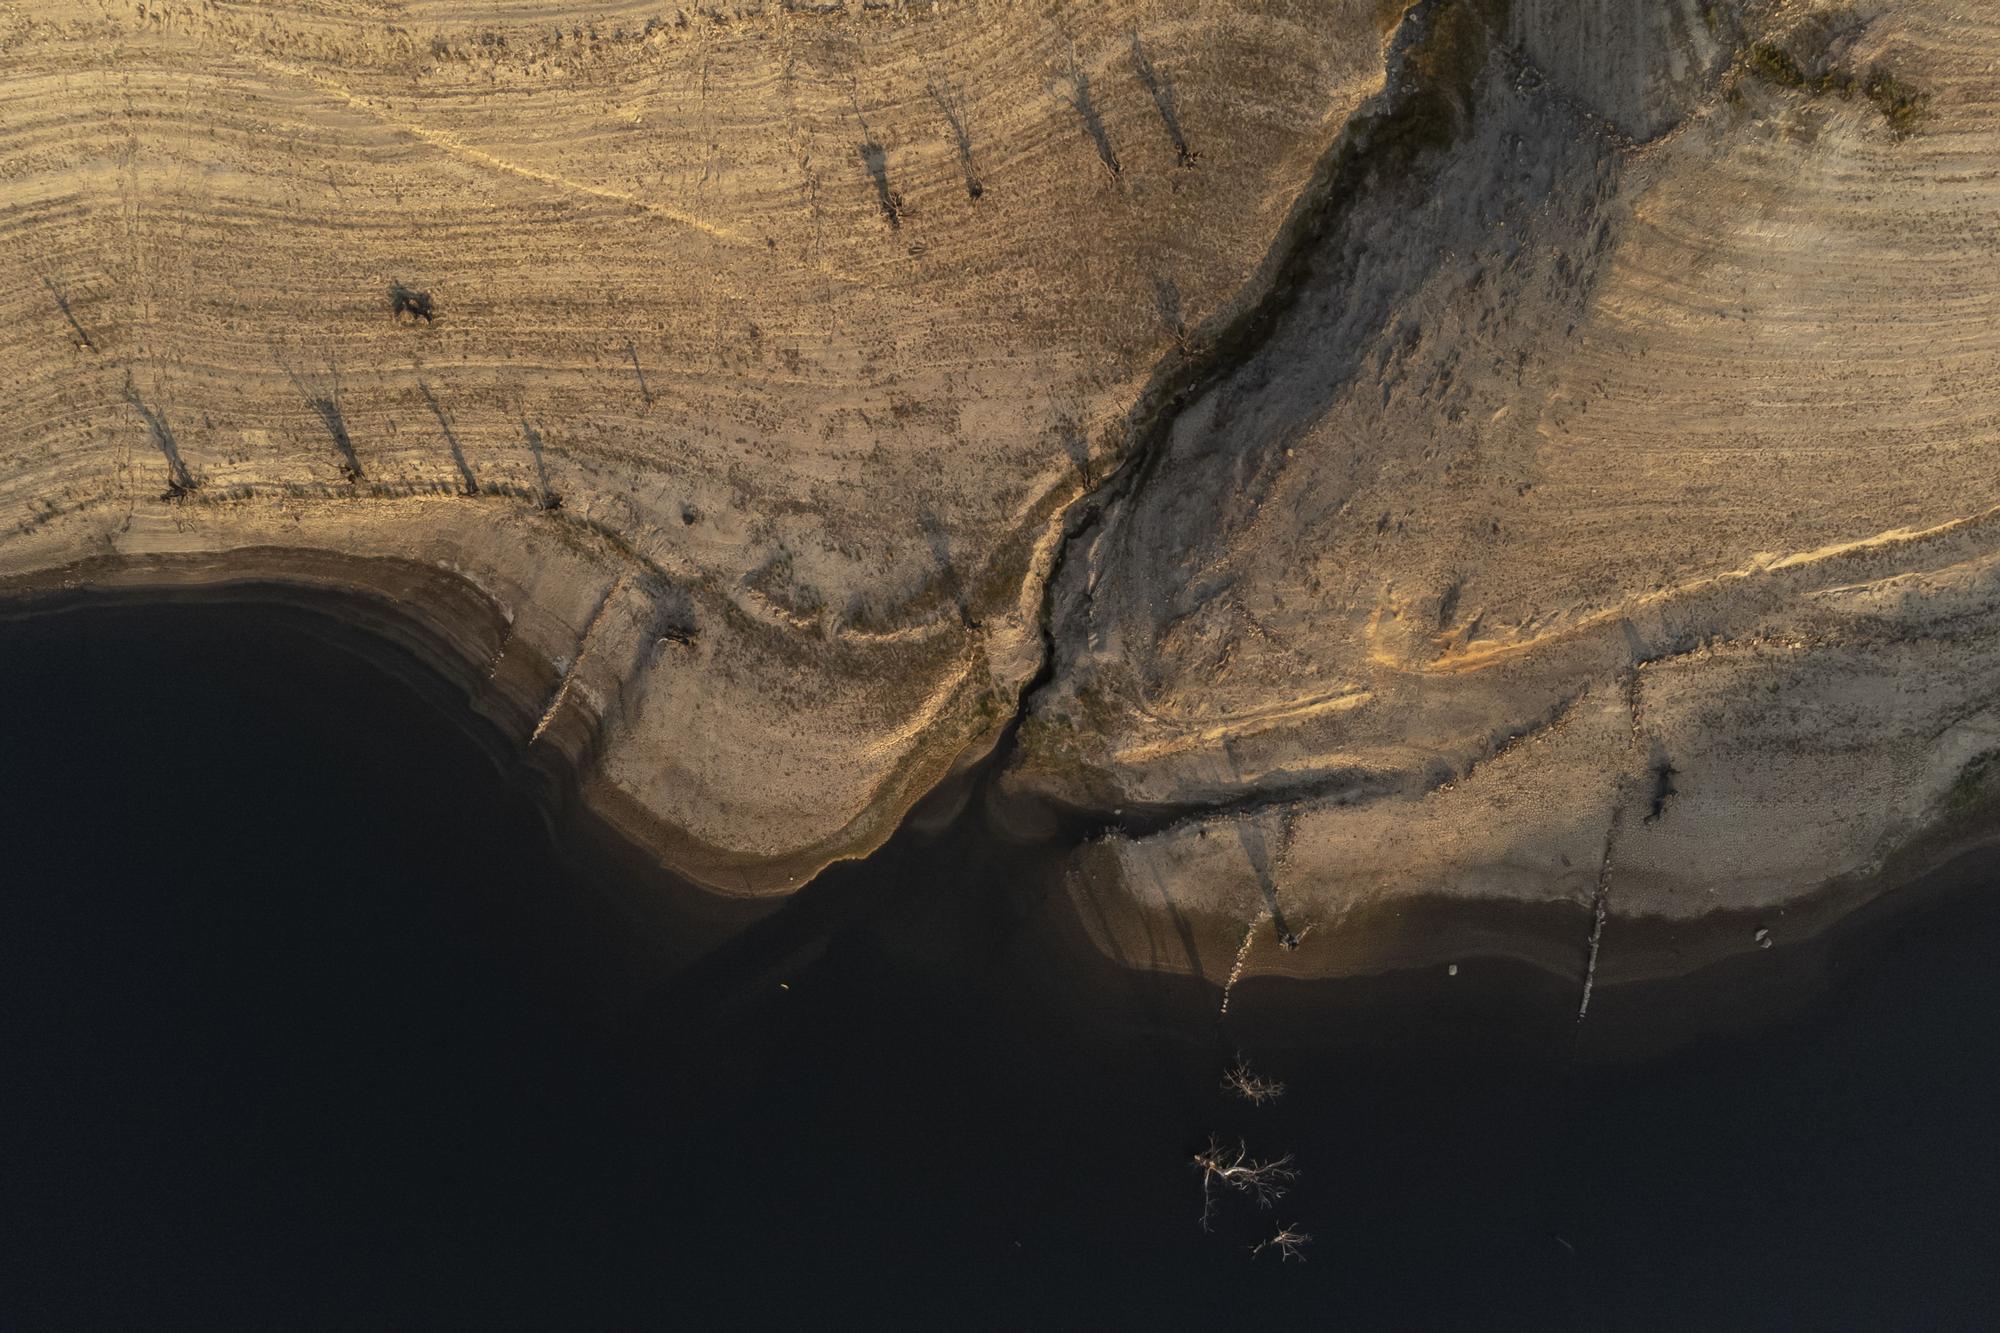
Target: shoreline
{"points": [[442, 652], [457, 638], [1092, 917], [504, 675]]}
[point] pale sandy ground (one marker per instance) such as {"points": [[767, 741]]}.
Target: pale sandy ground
{"points": [[831, 444], [1640, 434], [1628, 409]]}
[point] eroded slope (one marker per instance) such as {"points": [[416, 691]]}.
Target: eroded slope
{"points": [[764, 344], [1610, 516]]}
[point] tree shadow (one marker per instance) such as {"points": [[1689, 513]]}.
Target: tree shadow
{"points": [[1662, 772], [1078, 448], [1182, 928], [324, 400], [876, 159], [1167, 305], [451, 439], [548, 498], [1085, 105], [674, 618], [645, 390], [1160, 87], [1257, 851], [179, 481], [62, 304], [939, 541]]}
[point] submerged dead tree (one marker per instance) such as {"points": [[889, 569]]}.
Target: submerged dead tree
{"points": [[1234, 1169], [1251, 1087], [1288, 1241]]}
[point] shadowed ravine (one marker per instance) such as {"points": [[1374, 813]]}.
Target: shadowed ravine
{"points": [[312, 1023]]}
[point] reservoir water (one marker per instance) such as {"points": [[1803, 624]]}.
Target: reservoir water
{"points": [[311, 1017]]}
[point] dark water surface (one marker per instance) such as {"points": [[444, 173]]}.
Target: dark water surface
{"points": [[306, 1021]]}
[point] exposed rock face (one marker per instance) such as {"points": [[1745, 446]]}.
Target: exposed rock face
{"points": [[745, 356], [1609, 517], [1538, 450]]}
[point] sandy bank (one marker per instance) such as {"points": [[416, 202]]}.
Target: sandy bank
{"points": [[507, 659]]}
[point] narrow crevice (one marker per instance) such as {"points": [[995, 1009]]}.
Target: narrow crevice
{"points": [[1345, 787], [1420, 111]]}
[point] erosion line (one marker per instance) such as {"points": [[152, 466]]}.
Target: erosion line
{"points": [[1376, 139]]}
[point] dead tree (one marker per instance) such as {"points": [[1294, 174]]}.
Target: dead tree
{"points": [[1289, 1242], [1249, 1086], [1234, 1169], [949, 104]]}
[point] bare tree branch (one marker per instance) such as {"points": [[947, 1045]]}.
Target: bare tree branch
{"points": [[1288, 1242], [1235, 1169], [1249, 1086]]}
